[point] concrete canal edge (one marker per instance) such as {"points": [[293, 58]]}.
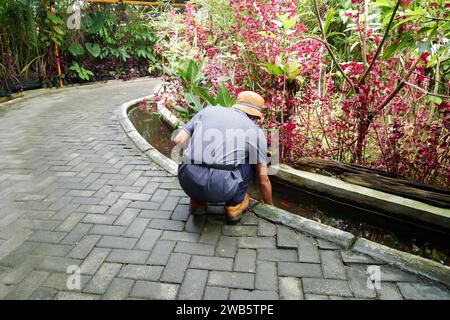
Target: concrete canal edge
{"points": [[403, 260]]}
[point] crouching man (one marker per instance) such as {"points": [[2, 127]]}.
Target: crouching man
{"points": [[223, 149]]}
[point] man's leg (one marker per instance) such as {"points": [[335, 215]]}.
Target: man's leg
{"points": [[196, 207], [247, 177], [241, 200]]}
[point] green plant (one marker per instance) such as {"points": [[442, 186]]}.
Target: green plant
{"points": [[81, 72]]}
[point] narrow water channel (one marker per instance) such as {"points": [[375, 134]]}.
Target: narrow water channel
{"points": [[403, 235]]}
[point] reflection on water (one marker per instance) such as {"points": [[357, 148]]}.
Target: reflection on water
{"points": [[373, 226]]}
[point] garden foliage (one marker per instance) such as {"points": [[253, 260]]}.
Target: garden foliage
{"points": [[358, 81]]}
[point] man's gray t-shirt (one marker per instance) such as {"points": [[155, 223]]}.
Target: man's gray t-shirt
{"points": [[224, 136]]}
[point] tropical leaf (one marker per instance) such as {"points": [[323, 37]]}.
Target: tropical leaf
{"points": [[224, 98], [203, 94], [193, 102], [272, 69], [76, 50], [93, 49]]}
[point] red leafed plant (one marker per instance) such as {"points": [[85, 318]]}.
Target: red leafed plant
{"points": [[386, 106]]}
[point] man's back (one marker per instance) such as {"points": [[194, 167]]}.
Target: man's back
{"points": [[224, 136]]}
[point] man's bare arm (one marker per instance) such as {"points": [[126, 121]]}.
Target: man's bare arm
{"points": [[265, 187], [181, 137]]}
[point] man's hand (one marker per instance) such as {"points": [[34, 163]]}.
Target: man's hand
{"points": [[265, 187], [181, 137]]}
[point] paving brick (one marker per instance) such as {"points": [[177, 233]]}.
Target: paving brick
{"points": [[85, 246], [145, 205], [27, 286], [119, 289], [253, 295], [354, 257], [150, 188], [290, 288], [136, 228], [43, 294], [210, 234], [195, 224], [420, 291], [70, 295], [249, 219], [181, 213], [159, 195], [245, 260], [175, 268], [327, 245], [155, 214], [286, 237], [170, 203], [117, 242], [256, 242], [136, 196], [195, 248], [92, 209], [102, 278], [266, 229], [358, 284], [55, 250], [128, 256], [68, 224], [77, 233], [238, 280], [227, 247], [161, 252], [148, 239], [266, 276], [59, 281], [47, 236], [58, 264], [211, 263], [139, 272], [167, 224], [332, 265], [110, 198], [389, 291], [118, 207], [326, 287], [193, 285], [94, 260], [107, 230], [277, 254], [237, 231], [216, 293], [99, 219], [180, 236], [154, 290], [308, 250], [126, 217], [299, 269]]}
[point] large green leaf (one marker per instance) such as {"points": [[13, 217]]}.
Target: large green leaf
{"points": [[54, 19], [76, 50], [272, 69], [328, 20], [203, 94], [193, 102], [224, 98], [93, 49], [181, 110], [192, 71]]}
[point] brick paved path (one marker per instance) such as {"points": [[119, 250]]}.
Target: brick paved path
{"points": [[75, 191]]}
